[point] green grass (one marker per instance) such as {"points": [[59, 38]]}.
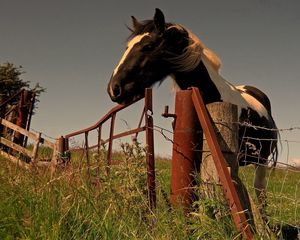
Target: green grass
{"points": [[72, 205], [283, 194]]}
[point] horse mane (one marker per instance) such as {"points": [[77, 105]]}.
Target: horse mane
{"points": [[192, 54]]}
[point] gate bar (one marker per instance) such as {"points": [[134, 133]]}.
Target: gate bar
{"points": [[150, 148], [110, 142]]}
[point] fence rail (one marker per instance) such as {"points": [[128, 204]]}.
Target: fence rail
{"points": [[15, 152]]}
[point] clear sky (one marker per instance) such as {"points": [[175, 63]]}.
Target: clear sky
{"points": [[72, 46]]}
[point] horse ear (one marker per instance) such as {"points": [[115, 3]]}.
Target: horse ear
{"points": [[135, 23], [159, 20]]}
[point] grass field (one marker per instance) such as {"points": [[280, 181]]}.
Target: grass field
{"points": [[283, 194], [70, 205]]}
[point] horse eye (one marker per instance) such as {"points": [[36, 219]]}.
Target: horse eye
{"points": [[148, 47]]}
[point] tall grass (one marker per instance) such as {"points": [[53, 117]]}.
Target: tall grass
{"points": [[283, 194], [74, 205]]}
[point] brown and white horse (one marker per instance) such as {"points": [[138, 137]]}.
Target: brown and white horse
{"points": [[157, 49]]}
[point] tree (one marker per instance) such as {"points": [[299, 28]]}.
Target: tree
{"points": [[18, 109], [11, 82]]}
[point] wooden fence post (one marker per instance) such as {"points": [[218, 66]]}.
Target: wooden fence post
{"points": [[55, 156], [35, 149], [60, 146], [225, 118]]}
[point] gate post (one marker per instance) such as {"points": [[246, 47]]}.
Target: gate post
{"points": [[150, 148], [185, 162]]}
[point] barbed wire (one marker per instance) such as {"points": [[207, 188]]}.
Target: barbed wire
{"points": [[250, 125], [164, 132], [280, 164], [167, 134], [276, 208], [43, 134]]}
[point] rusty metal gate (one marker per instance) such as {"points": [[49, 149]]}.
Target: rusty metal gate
{"points": [[64, 142]]}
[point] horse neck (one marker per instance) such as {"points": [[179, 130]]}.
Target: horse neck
{"points": [[200, 78]]}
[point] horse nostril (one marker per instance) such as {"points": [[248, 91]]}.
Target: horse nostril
{"points": [[117, 90]]}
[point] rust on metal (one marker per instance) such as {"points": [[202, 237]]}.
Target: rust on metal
{"points": [[110, 142], [185, 163], [124, 134], [98, 150], [140, 124], [235, 205], [150, 149], [148, 127], [86, 136], [107, 116], [148, 100], [119, 135], [166, 113]]}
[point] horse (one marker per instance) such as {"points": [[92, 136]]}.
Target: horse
{"points": [[157, 49]]}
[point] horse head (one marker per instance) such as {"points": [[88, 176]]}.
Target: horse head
{"points": [[146, 59]]}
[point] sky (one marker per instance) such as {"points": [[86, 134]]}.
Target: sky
{"points": [[71, 48]]}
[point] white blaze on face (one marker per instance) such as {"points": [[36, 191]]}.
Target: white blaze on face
{"points": [[130, 45]]}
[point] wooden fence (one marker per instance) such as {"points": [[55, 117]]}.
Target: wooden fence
{"points": [[15, 152]]}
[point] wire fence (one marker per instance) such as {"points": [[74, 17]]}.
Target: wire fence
{"points": [[282, 181]]}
